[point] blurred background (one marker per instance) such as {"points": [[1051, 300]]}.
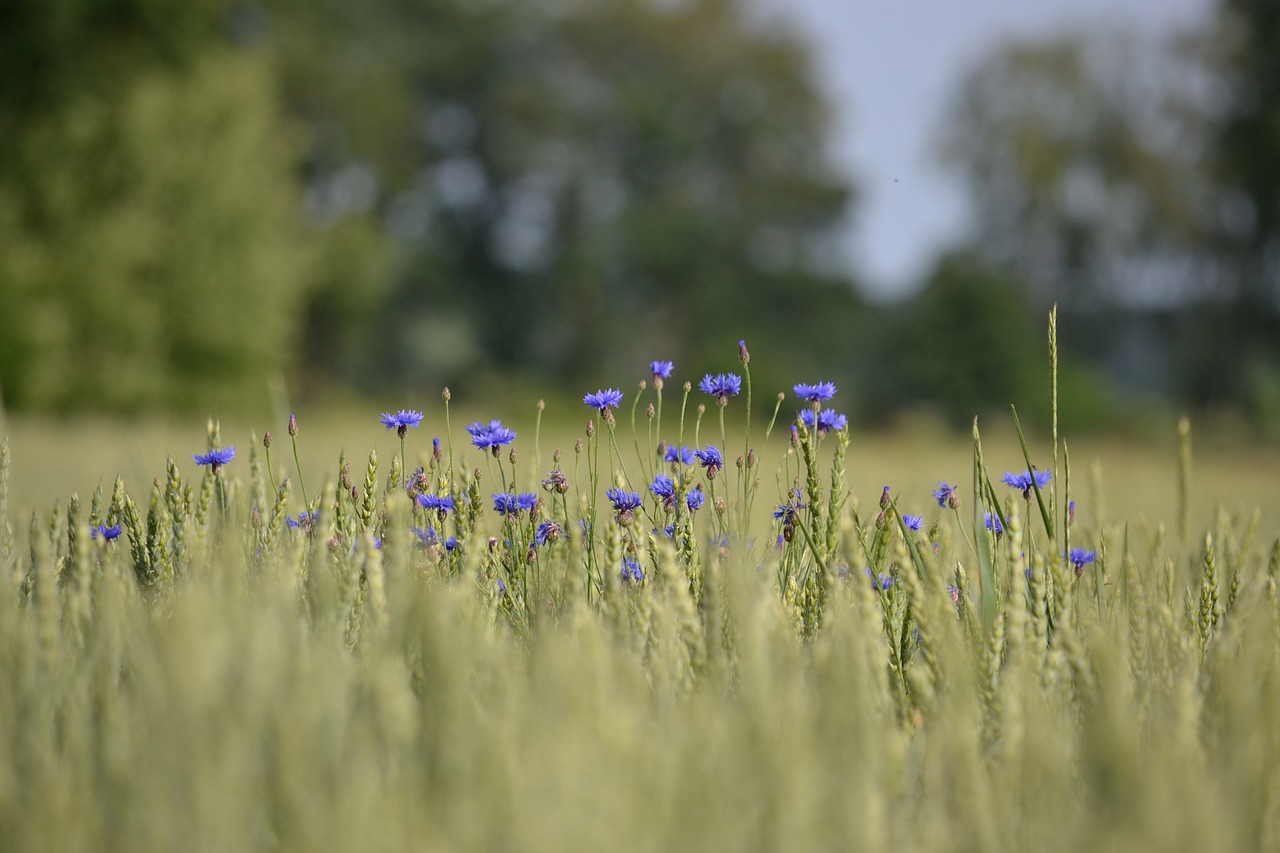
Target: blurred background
{"points": [[203, 202]]}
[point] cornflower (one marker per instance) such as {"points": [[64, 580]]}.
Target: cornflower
{"points": [[105, 533], [913, 522], [681, 455], [548, 531], [441, 503], [510, 504], [824, 421], [1080, 557], [664, 487], [491, 437], [883, 582], [1026, 480], [215, 459], [695, 499], [946, 496], [816, 394], [609, 398], [711, 460], [401, 421], [304, 520], [994, 525], [624, 503], [722, 386], [631, 571], [661, 370]]}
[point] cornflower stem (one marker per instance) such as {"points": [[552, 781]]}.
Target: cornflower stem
{"points": [[965, 534], [593, 466], [635, 440], [270, 473], [745, 475], [403, 469], [293, 439], [684, 402], [613, 444], [658, 414], [776, 408]]}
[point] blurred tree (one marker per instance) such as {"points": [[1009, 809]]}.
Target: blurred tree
{"points": [[572, 187], [151, 252]]}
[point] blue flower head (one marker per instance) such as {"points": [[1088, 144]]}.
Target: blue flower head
{"points": [[882, 582], [623, 500], [548, 531], [816, 394], [722, 386], [661, 370], [695, 499], [509, 504], [710, 459], [663, 487], [106, 534], [913, 522], [426, 538], [786, 513], [631, 571], [680, 454], [609, 398], [215, 459], [994, 525], [304, 521], [946, 496], [824, 421], [401, 420], [1080, 557], [1026, 479], [441, 503], [491, 437]]}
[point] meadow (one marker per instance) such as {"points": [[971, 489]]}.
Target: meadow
{"points": [[541, 634]]}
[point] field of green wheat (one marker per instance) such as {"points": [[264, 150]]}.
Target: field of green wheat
{"points": [[675, 617]]}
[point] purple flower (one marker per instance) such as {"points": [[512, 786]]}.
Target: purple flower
{"points": [[824, 421], [661, 370], [946, 496], [786, 513], [815, 393], [623, 500], [1027, 480], [695, 499], [401, 420], [913, 522], [604, 399], [681, 454], [304, 521], [1080, 557], [710, 459], [106, 534], [509, 504], [492, 436], [441, 503], [426, 538], [631, 571], [722, 386], [664, 487], [883, 582], [215, 459], [994, 525], [548, 531]]}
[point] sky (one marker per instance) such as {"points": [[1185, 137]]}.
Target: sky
{"points": [[888, 67]]}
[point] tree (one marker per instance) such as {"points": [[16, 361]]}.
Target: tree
{"points": [[570, 187], [151, 252]]}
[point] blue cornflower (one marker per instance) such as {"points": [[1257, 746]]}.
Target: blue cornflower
{"points": [[215, 459], [913, 522], [994, 525], [711, 460], [661, 370], [105, 533], [883, 582], [548, 531], [722, 386], [665, 488], [401, 420], [1026, 479], [623, 500], [787, 512], [304, 520], [695, 499], [426, 538], [493, 436], [631, 571], [946, 496], [1080, 557], [608, 398], [818, 393], [509, 504], [441, 503], [680, 454], [824, 421], [1071, 512]]}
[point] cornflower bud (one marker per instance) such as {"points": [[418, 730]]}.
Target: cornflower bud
{"points": [[293, 425], [577, 447], [650, 412], [688, 386], [266, 439], [445, 395], [743, 355], [884, 498], [591, 427], [751, 458], [512, 456]]}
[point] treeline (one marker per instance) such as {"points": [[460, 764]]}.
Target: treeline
{"points": [[200, 199]]}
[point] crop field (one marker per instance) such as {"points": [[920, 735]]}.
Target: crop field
{"points": [[586, 628]]}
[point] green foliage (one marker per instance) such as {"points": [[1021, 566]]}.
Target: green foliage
{"points": [[151, 253]]}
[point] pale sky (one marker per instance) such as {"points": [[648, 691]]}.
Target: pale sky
{"points": [[888, 67]]}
